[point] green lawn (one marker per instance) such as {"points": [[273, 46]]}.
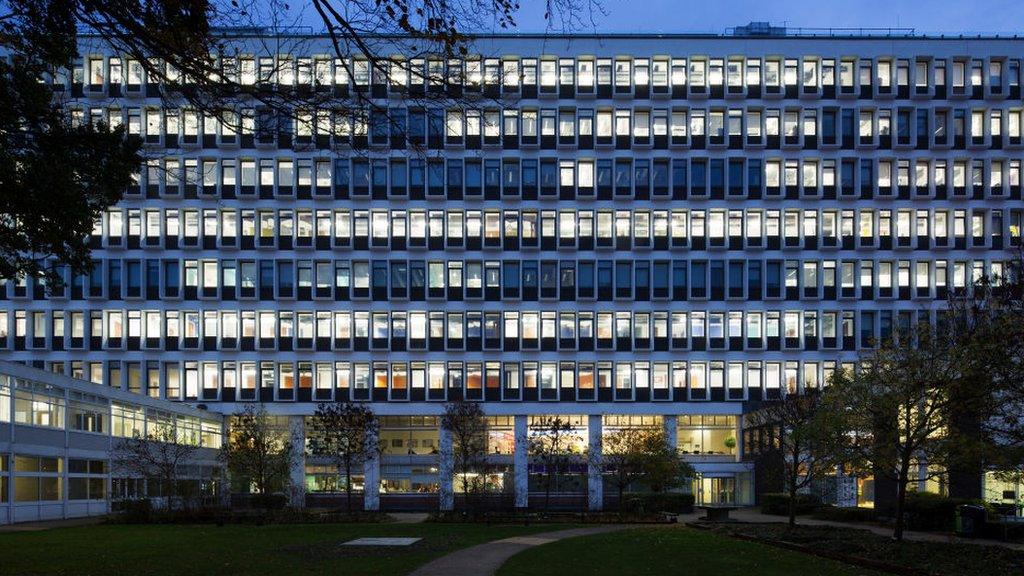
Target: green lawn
{"points": [[111, 550], [668, 550]]}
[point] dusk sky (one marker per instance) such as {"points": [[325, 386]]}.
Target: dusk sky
{"points": [[714, 16], [949, 16]]}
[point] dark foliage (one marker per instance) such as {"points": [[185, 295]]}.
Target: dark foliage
{"points": [[778, 504]]}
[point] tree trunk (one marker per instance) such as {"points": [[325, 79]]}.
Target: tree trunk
{"points": [[792, 505], [169, 493], [794, 474], [348, 489], [901, 502], [547, 491]]}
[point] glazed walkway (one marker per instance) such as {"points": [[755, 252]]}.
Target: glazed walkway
{"points": [[485, 559]]}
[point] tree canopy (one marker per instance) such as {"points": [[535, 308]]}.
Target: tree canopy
{"points": [[257, 452], [348, 435]]}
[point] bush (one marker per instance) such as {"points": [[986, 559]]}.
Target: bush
{"points": [[135, 511], [650, 502], [252, 516], [1013, 532], [845, 514], [930, 511], [268, 501], [778, 504]]}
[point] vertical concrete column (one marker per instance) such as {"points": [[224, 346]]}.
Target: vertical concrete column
{"points": [[297, 474], [371, 479], [446, 470], [595, 483], [922, 474], [521, 462], [670, 425]]}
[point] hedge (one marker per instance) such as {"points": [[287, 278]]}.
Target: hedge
{"points": [[268, 501], [675, 502], [930, 511], [778, 504], [845, 514]]}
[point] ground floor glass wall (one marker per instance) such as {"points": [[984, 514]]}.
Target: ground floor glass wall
{"points": [[1005, 491], [724, 488]]}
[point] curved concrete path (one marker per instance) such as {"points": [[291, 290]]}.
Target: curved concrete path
{"points": [[485, 559]]}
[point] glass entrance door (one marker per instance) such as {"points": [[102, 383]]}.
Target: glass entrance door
{"points": [[716, 490]]}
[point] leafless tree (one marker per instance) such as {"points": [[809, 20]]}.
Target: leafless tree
{"points": [[553, 445], [191, 48], [809, 436], [466, 423], [347, 434], [257, 451], [159, 456]]}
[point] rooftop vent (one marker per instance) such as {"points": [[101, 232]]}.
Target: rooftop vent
{"points": [[759, 29]]}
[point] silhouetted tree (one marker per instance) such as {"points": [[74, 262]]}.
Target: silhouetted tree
{"points": [[895, 410], [347, 434], [257, 451], [637, 455], [810, 437], [553, 445], [466, 423], [160, 455]]}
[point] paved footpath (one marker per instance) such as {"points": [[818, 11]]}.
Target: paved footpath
{"points": [[485, 559]]}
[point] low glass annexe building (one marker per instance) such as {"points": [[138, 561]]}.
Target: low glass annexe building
{"points": [[622, 230], [57, 445]]}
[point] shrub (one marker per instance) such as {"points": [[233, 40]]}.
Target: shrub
{"points": [[650, 502], [778, 504], [930, 511], [268, 501], [135, 511], [1013, 532], [845, 514]]}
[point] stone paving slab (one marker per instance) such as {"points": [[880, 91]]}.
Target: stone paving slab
{"points": [[382, 542], [409, 517], [485, 559]]}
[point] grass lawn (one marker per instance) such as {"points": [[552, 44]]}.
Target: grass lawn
{"points": [[668, 550], [111, 550], [941, 558]]}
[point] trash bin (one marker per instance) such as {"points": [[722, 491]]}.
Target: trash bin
{"points": [[970, 520]]}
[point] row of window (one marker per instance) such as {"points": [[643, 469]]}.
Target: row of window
{"points": [[735, 127], [642, 77], [527, 280], [419, 435], [38, 404], [41, 478], [484, 380], [524, 229], [508, 331], [584, 178]]}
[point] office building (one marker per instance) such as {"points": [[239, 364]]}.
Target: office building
{"points": [[624, 230]]}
